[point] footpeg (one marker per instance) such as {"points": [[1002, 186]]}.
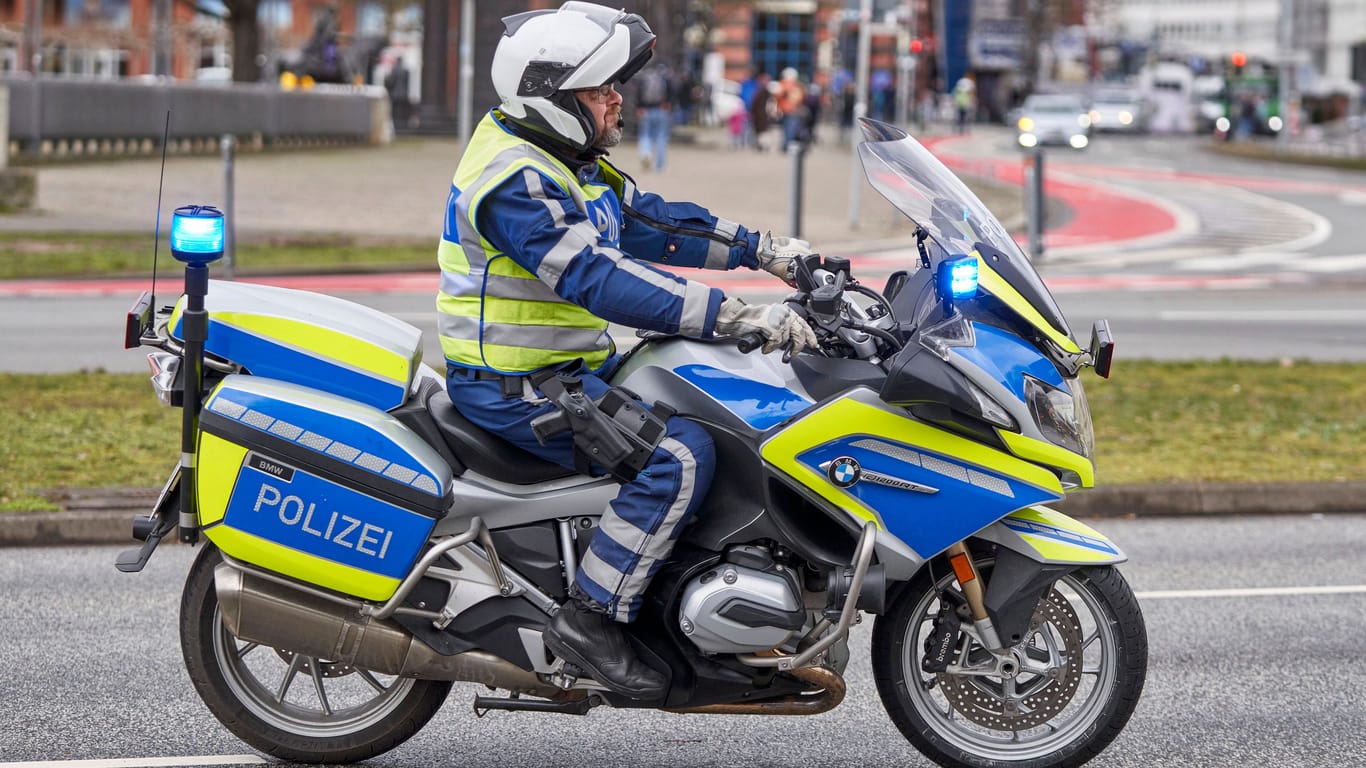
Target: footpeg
{"points": [[567, 676]]}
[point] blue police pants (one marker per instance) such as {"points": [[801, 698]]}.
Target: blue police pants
{"points": [[640, 526]]}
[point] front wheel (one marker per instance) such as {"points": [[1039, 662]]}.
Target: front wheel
{"points": [[288, 705], [1073, 684]]}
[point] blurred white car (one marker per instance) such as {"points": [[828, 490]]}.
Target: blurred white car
{"points": [[1120, 110], [1053, 118]]}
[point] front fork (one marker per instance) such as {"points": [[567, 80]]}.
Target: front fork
{"points": [[975, 593]]}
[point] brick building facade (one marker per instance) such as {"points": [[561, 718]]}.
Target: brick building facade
{"points": [[115, 38]]}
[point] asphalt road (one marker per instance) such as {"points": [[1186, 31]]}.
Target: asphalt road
{"points": [[1269, 675], [1317, 322]]}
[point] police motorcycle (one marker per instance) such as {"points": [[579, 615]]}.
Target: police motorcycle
{"points": [[368, 547]]}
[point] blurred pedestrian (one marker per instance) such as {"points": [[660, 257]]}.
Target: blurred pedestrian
{"points": [[760, 110], [964, 102], [813, 104], [1247, 117], [737, 123], [396, 83], [748, 87], [654, 102], [848, 100], [880, 85], [791, 99]]}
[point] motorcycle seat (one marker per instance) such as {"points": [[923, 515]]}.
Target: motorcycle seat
{"points": [[485, 453]]}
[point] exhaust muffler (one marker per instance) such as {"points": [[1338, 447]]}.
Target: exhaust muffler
{"points": [[261, 610]]}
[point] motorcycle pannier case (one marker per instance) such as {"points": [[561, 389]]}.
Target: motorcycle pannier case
{"points": [[319, 341], [314, 486]]}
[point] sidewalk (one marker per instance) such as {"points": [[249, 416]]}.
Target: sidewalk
{"points": [[399, 191]]}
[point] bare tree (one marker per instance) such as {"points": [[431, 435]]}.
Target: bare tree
{"points": [[246, 39]]}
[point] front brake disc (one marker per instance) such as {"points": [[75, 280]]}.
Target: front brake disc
{"points": [[1038, 698]]}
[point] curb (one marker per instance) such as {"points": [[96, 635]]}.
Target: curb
{"points": [[1217, 499], [99, 519]]}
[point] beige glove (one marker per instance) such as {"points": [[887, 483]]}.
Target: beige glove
{"points": [[779, 254], [777, 323]]}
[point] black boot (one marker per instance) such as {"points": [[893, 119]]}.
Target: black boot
{"points": [[590, 640]]}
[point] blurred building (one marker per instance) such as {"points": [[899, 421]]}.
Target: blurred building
{"points": [[1328, 37], [116, 38], [708, 40]]}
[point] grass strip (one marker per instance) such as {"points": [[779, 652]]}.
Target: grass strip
{"points": [[1221, 421], [69, 255]]}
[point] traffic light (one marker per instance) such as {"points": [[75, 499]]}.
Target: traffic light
{"points": [[1238, 60], [917, 45]]}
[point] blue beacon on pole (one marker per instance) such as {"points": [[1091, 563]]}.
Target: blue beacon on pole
{"points": [[197, 234]]}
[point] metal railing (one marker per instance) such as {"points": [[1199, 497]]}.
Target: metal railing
{"points": [[49, 115]]}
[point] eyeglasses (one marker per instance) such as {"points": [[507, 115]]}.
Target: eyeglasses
{"points": [[600, 93]]}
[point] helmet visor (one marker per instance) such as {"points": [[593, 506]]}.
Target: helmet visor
{"points": [[642, 47]]}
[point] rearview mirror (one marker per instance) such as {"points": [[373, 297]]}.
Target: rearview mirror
{"points": [[1102, 348]]}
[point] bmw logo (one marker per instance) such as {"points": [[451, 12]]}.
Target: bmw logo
{"points": [[844, 471]]}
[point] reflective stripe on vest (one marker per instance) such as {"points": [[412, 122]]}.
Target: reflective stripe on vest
{"points": [[492, 313]]}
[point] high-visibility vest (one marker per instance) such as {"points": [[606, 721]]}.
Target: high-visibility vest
{"points": [[491, 312]]}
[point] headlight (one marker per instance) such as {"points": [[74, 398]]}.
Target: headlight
{"points": [[991, 411], [1063, 417]]}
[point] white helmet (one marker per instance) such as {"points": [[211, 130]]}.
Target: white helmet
{"points": [[545, 55]]}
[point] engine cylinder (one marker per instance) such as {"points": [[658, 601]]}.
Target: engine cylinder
{"points": [[732, 608]]}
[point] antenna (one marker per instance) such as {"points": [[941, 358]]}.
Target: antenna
{"points": [[161, 182], [144, 309]]}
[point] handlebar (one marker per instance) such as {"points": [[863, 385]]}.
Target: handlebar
{"points": [[750, 342]]}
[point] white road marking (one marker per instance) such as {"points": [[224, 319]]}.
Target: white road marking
{"points": [[1311, 316], [144, 762], [1297, 262], [1232, 261], [1332, 263], [1177, 594]]}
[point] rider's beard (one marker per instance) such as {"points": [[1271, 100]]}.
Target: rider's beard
{"points": [[610, 134]]}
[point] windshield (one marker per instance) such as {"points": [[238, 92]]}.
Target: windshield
{"points": [[957, 222]]}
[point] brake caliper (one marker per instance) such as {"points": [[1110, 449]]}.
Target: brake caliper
{"points": [[941, 644]]}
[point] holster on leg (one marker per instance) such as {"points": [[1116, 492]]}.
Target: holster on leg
{"points": [[616, 431]]}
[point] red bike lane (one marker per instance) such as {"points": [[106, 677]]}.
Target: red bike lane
{"points": [[1099, 214]]}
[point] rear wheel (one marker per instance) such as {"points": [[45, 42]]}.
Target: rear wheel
{"points": [[1063, 695], [292, 706]]}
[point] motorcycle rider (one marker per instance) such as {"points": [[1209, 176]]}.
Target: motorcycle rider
{"points": [[544, 244]]}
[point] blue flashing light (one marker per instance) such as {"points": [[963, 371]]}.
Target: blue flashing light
{"points": [[197, 234], [958, 278]]}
